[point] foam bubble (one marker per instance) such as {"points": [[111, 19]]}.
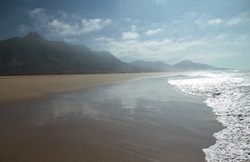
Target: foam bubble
{"points": [[228, 93]]}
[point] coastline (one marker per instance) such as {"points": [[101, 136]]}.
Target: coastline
{"points": [[19, 88], [140, 120]]}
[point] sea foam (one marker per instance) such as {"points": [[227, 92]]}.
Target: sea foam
{"points": [[228, 93]]}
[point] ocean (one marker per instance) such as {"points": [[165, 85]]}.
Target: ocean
{"points": [[228, 94]]}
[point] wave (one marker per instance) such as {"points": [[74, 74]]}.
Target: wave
{"points": [[228, 93]]}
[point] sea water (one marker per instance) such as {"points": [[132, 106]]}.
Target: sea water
{"points": [[228, 94]]}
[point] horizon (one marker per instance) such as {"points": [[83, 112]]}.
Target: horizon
{"points": [[214, 33]]}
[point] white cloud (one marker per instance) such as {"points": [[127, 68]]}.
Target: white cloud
{"points": [[23, 29], [150, 49], [66, 24], [90, 25], [215, 21], [39, 15], [134, 28], [62, 28], [153, 32], [36, 11], [127, 19], [234, 21], [221, 37], [241, 18], [76, 28], [171, 49], [103, 39], [70, 40], [130, 35]]}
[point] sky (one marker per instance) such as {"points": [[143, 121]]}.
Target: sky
{"points": [[215, 32]]}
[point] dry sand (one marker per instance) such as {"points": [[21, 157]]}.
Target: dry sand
{"points": [[17, 88]]}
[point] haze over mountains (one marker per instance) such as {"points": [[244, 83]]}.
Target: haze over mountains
{"points": [[32, 54]]}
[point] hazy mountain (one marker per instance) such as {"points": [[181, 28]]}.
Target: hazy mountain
{"points": [[32, 54], [111, 61], [141, 65], [187, 65]]}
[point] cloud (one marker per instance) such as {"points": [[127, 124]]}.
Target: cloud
{"points": [[221, 37], [70, 40], [36, 11], [165, 49], [23, 29], [76, 28], [62, 29], [127, 19], [130, 35], [243, 17], [215, 21], [153, 32], [191, 35], [103, 39], [39, 15], [134, 28], [64, 24], [234, 21], [172, 49], [90, 25], [204, 20]]}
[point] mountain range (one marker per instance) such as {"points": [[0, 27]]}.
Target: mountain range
{"points": [[32, 54]]}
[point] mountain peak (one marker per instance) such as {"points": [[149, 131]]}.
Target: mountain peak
{"points": [[185, 62], [33, 35], [190, 65]]}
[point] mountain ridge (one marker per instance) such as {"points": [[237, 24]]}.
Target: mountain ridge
{"points": [[32, 54]]}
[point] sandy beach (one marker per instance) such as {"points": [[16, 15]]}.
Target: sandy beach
{"points": [[143, 120], [18, 88]]}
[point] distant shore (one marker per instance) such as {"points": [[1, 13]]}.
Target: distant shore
{"points": [[18, 88]]}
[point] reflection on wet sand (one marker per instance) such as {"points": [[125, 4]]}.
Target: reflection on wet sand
{"points": [[143, 120]]}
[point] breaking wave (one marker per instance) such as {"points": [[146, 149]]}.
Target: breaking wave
{"points": [[228, 93]]}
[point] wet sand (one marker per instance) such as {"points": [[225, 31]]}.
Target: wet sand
{"points": [[18, 88], [140, 120]]}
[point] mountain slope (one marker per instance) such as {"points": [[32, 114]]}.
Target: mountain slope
{"points": [[33, 54], [111, 61], [149, 66], [187, 65]]}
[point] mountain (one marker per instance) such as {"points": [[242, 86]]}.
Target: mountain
{"points": [[34, 36], [111, 61], [157, 66], [187, 65], [32, 54]]}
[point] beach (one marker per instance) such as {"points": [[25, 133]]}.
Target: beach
{"points": [[102, 117], [18, 88]]}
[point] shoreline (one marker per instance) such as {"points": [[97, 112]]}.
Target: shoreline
{"points": [[21, 88], [109, 123]]}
